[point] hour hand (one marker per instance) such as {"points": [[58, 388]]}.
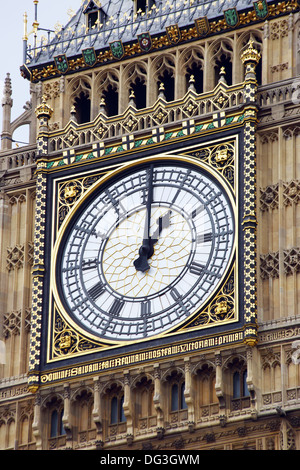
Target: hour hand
{"points": [[147, 248], [141, 263], [162, 222]]}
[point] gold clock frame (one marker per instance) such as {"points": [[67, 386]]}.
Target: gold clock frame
{"points": [[70, 340]]}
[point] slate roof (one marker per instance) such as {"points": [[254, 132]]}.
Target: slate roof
{"points": [[122, 23]]}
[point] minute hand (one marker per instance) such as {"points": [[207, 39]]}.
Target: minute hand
{"points": [[146, 250]]}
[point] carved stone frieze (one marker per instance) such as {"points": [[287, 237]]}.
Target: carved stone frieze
{"points": [[16, 255], [279, 29], [291, 261], [279, 67], [12, 322], [51, 90], [269, 197], [269, 265], [291, 192]]}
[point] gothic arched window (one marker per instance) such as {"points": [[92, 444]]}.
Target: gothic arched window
{"points": [[168, 81], [224, 63], [111, 99], [139, 90], [197, 73], [83, 108]]}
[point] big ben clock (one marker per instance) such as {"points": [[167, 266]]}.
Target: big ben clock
{"points": [[144, 249]]}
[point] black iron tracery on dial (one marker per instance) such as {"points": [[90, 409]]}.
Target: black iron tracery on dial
{"points": [[96, 296]]}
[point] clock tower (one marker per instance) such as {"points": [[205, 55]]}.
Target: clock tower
{"points": [[149, 308]]}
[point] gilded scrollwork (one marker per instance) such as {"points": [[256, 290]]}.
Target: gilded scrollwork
{"points": [[221, 157], [221, 308], [70, 191], [67, 340]]}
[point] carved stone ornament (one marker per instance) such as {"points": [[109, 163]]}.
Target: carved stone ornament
{"points": [[15, 257], [269, 265], [291, 192], [291, 261], [269, 197]]}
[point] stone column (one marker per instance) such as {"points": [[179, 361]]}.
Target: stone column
{"points": [[7, 102], [37, 423], [157, 399], [250, 58], [127, 407], [189, 395], [44, 113]]}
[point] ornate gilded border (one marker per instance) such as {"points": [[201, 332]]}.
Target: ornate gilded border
{"points": [[64, 335], [185, 34]]}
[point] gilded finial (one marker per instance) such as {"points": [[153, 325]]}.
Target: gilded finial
{"points": [[250, 54], [44, 110]]}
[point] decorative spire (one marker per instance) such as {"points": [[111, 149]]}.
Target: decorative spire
{"points": [[132, 98], [192, 83], [161, 90], [222, 75], [250, 58], [7, 92], [73, 114], [103, 105]]}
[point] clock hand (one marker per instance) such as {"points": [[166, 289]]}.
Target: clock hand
{"points": [[141, 263], [146, 250], [162, 222]]}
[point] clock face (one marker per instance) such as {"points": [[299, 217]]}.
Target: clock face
{"points": [[146, 250]]}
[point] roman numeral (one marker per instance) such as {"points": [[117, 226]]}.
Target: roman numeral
{"points": [[197, 211], [89, 264], [116, 307], [175, 294], [204, 237], [96, 291], [145, 308], [196, 268]]}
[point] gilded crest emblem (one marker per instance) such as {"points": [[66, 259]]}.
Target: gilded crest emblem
{"points": [[231, 17], [202, 26], [117, 49], [145, 41], [89, 56], [173, 33], [61, 63], [261, 9]]}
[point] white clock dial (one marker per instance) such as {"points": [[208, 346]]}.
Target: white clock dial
{"points": [[148, 249]]}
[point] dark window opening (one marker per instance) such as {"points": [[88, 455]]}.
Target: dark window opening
{"points": [[259, 72], [141, 5], [168, 81], [226, 63], [177, 397], [92, 19], [56, 425], [139, 89], [116, 411], [197, 73], [240, 388], [83, 108], [111, 98]]}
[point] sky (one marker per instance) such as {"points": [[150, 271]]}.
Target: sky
{"points": [[50, 12]]}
